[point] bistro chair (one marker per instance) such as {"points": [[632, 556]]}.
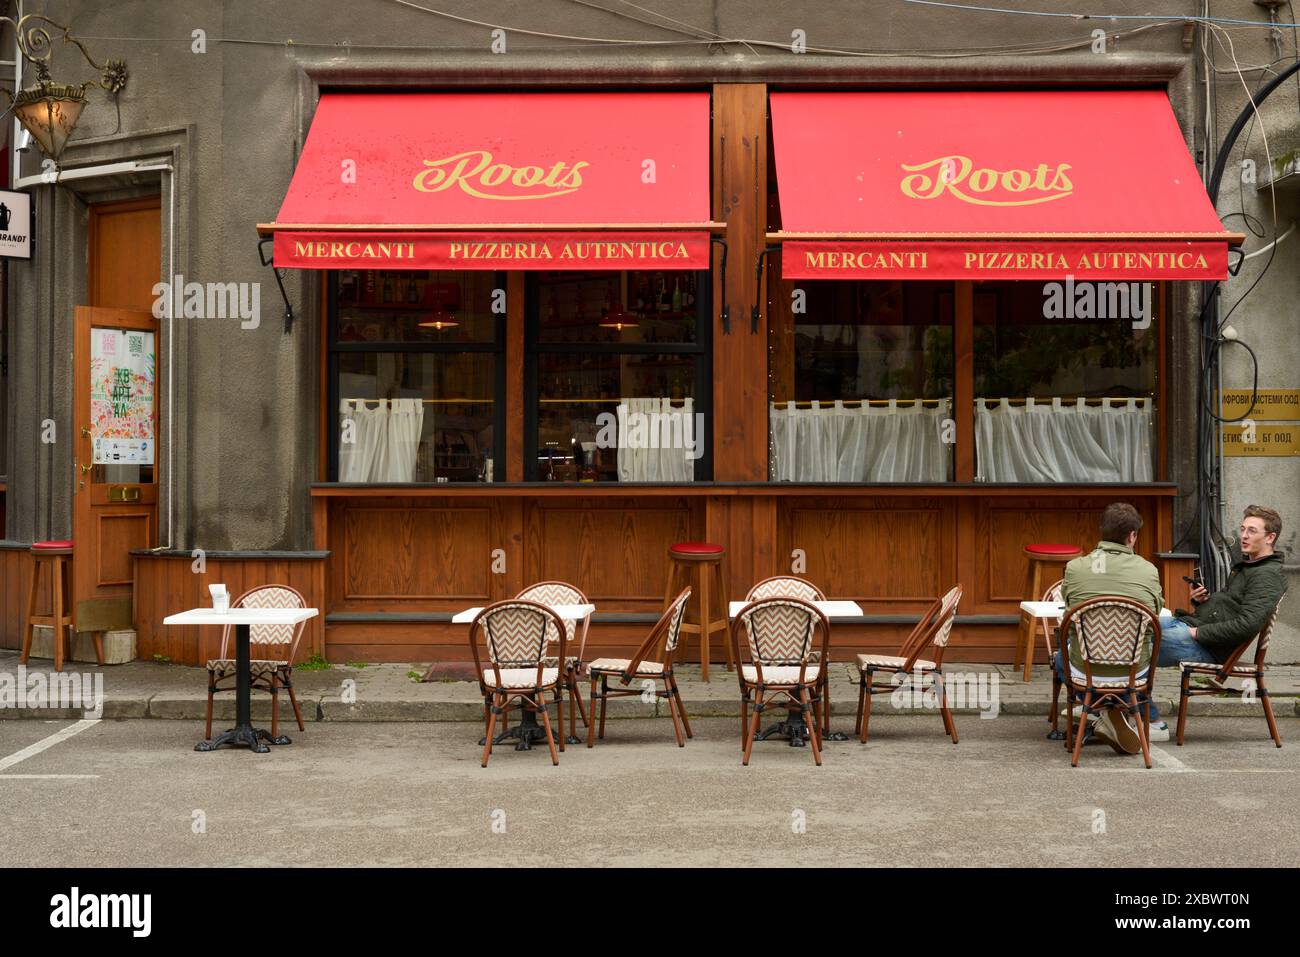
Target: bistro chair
{"points": [[1108, 631], [934, 629], [1218, 674], [1051, 624], [562, 593], [790, 587], [652, 661], [779, 635], [271, 650], [517, 675]]}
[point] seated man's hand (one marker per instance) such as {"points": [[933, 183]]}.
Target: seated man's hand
{"points": [[1199, 594]]}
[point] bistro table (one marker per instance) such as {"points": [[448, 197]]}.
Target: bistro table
{"points": [[528, 730], [242, 618], [794, 729]]}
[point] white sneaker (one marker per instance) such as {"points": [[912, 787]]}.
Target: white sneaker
{"points": [[1159, 732]]}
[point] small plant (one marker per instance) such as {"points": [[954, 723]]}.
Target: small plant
{"points": [[162, 659], [314, 663], [415, 675], [358, 664]]}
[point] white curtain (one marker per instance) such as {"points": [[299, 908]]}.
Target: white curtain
{"points": [[385, 440], [1053, 442], [655, 440], [893, 443]]}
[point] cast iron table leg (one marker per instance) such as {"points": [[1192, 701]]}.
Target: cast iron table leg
{"points": [[243, 732], [527, 733]]}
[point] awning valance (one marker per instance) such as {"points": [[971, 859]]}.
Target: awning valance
{"points": [[500, 181], [987, 185]]}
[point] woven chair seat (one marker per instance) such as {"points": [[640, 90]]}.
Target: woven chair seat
{"points": [[779, 674], [227, 668], [620, 665], [1209, 668], [520, 677], [880, 662], [1109, 683]]}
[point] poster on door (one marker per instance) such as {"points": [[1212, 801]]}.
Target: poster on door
{"points": [[122, 373]]}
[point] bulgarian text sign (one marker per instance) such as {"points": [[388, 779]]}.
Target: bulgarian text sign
{"points": [[1271, 405], [513, 250], [1268, 440]]}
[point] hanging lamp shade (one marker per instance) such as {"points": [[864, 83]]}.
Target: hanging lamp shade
{"points": [[50, 112]]}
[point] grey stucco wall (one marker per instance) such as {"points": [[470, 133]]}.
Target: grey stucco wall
{"points": [[230, 122], [1267, 318]]}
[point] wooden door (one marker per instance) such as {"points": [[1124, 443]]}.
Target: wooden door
{"points": [[116, 472]]}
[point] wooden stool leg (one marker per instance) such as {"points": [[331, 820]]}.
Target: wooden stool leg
{"points": [[58, 614], [724, 618], [705, 615], [1035, 593], [31, 611]]}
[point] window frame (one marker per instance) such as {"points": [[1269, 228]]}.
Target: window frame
{"points": [[702, 349], [334, 349]]}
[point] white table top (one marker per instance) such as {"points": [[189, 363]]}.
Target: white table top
{"points": [[831, 609], [566, 612], [242, 616], [1056, 609]]}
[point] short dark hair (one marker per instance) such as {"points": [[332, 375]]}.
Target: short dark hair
{"points": [[1118, 521], [1272, 520]]}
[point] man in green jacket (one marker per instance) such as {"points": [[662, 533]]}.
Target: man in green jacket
{"points": [[1112, 568], [1229, 618]]}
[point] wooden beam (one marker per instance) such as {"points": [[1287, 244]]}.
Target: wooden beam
{"points": [[514, 360], [963, 375]]}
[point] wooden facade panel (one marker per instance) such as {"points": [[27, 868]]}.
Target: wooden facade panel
{"points": [[873, 552], [427, 553], [1004, 529], [116, 535], [614, 552]]}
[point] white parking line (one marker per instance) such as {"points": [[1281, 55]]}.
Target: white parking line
{"points": [[46, 743], [1167, 761]]}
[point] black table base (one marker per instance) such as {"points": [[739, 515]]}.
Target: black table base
{"points": [[253, 737], [243, 732], [527, 733], [795, 730]]}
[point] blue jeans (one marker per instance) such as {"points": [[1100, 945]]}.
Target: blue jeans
{"points": [[1176, 644]]}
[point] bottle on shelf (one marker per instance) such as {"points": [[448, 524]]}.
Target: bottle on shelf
{"points": [[388, 289], [677, 294], [412, 292]]}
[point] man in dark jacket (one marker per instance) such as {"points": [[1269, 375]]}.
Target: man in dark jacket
{"points": [[1222, 622]]}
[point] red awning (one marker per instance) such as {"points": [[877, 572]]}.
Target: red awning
{"points": [[991, 185], [500, 181]]}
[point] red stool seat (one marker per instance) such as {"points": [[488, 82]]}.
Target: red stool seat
{"points": [[51, 546], [1050, 549], [696, 548]]}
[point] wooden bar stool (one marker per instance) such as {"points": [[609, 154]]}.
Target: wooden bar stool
{"points": [[693, 564], [58, 555], [1046, 564]]}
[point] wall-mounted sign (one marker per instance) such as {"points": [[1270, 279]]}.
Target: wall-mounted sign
{"points": [[1271, 405], [1269, 440], [16, 225]]}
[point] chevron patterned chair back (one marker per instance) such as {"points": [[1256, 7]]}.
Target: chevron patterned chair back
{"points": [[283, 639], [516, 632], [556, 593], [785, 586], [1109, 631]]}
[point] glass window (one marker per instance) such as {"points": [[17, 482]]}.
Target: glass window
{"points": [[860, 381], [416, 376], [619, 371], [1065, 381]]}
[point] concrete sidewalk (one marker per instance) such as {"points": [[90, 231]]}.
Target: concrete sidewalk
{"points": [[393, 692]]}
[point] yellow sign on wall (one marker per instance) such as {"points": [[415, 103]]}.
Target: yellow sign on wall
{"points": [[1271, 405], [1261, 440]]}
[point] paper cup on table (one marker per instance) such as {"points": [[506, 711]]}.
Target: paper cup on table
{"points": [[220, 598]]}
